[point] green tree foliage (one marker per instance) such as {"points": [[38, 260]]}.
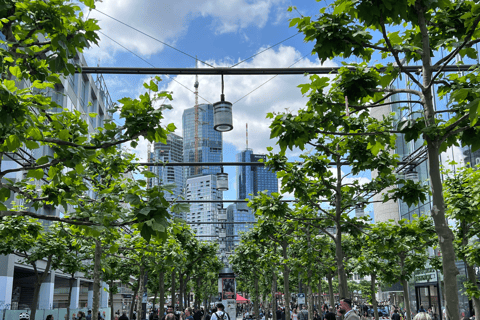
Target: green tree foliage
{"points": [[400, 33]]}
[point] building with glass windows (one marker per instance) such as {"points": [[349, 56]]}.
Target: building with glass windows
{"points": [[203, 187], [77, 92], [209, 144], [172, 151], [426, 286], [250, 181]]}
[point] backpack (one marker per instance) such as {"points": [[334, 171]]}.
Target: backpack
{"points": [[222, 317]]}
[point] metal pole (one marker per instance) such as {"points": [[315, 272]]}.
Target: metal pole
{"points": [[248, 71]]}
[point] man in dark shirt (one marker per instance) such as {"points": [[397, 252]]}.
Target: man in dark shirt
{"points": [[279, 313], [395, 315], [330, 315], [123, 316]]}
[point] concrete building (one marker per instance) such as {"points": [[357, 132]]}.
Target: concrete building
{"points": [[16, 278], [172, 151]]}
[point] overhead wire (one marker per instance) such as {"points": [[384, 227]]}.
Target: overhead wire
{"points": [[271, 78], [276, 44], [152, 37], [149, 63]]}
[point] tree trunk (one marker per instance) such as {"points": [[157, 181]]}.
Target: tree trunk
{"points": [[310, 296], [407, 299], [132, 306], [320, 293], [286, 282], [110, 293], [36, 294], [196, 304], [70, 289], [161, 290], [96, 279], [372, 292], [180, 293], [445, 234], [155, 299], [141, 290], [473, 280], [274, 297], [256, 298], [330, 289], [342, 278], [173, 290], [38, 284]]}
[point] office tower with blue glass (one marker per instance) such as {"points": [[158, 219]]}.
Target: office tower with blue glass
{"points": [[250, 181], [172, 151], [208, 143]]}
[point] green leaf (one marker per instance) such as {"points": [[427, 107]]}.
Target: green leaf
{"points": [[37, 174], [16, 71], [42, 160], [13, 143], [473, 107], [92, 114], [4, 194]]}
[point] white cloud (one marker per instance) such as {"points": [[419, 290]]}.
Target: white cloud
{"points": [[169, 20], [277, 95]]}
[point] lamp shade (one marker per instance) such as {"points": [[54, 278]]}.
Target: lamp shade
{"points": [[359, 212], [411, 174], [222, 116], [222, 181], [222, 214]]}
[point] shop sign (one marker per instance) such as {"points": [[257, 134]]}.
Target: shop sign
{"points": [[426, 275]]}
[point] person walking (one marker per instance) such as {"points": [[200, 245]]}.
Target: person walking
{"points": [[303, 315], [220, 314], [330, 315], [395, 315], [346, 310], [294, 314], [89, 315]]}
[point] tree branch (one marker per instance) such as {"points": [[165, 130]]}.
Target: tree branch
{"points": [[446, 60], [395, 54], [26, 168]]}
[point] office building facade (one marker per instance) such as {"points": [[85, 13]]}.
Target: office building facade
{"points": [[203, 187], [172, 151], [250, 181], [85, 94], [209, 144]]}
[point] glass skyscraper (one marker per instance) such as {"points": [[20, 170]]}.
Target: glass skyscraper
{"points": [[210, 144], [250, 181], [172, 151]]}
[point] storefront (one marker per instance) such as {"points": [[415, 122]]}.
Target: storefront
{"points": [[428, 293]]}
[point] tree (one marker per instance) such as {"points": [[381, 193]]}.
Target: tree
{"points": [[397, 250], [28, 239], [462, 197], [368, 30]]}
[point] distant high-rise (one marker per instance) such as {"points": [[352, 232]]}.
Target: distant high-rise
{"points": [[203, 188], [209, 143], [250, 181], [172, 151]]}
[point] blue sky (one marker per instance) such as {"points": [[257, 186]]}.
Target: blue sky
{"points": [[221, 33]]}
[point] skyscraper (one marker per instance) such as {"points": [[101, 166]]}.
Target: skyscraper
{"points": [[172, 151], [250, 181], [203, 187], [209, 145]]}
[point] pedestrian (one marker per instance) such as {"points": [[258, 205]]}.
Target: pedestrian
{"points": [[294, 314], [316, 316], [279, 313], [81, 316], [49, 317], [421, 309], [395, 315], [345, 310], [170, 311], [89, 315], [220, 314], [303, 315], [189, 314], [123, 316], [330, 315]]}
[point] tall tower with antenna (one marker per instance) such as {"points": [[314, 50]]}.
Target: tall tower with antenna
{"points": [[196, 117]]}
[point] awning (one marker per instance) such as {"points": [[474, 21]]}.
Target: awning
{"points": [[241, 299]]}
